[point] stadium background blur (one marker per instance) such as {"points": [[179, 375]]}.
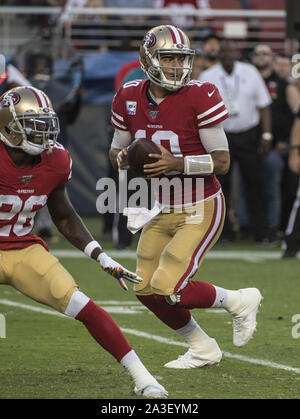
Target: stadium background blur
{"points": [[90, 48]]}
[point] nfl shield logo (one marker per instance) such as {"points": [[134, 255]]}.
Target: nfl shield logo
{"points": [[131, 107], [26, 179], [153, 114]]}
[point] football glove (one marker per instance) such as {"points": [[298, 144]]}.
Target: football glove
{"points": [[116, 270]]}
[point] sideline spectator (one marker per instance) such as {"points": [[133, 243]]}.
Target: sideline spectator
{"points": [[248, 131], [211, 49], [283, 67], [285, 99], [198, 64], [291, 243]]}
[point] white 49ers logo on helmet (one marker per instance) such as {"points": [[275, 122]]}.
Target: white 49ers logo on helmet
{"points": [[5, 102]]}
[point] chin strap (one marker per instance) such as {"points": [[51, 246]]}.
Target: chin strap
{"points": [[48, 147]]}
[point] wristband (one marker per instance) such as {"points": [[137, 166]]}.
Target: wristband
{"points": [[198, 165], [103, 259], [90, 247]]}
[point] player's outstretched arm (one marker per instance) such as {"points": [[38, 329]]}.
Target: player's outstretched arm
{"points": [[69, 223]]}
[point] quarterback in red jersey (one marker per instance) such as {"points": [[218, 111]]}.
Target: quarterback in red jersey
{"points": [[184, 118], [34, 169]]}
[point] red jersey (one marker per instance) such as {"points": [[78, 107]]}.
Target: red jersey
{"points": [[174, 123], [25, 190]]}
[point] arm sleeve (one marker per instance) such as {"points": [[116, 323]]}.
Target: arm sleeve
{"points": [[121, 139], [214, 138]]}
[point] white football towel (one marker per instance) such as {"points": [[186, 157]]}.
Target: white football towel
{"points": [[138, 217]]}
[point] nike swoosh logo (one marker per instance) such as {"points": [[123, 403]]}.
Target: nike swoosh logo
{"points": [[210, 94]]}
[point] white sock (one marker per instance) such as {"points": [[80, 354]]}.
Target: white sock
{"points": [[193, 333], [76, 303], [221, 297], [139, 373], [228, 299]]}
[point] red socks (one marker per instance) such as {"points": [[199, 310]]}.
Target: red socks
{"points": [[104, 330], [197, 294], [173, 316]]}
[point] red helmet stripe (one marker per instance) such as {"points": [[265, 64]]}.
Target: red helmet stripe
{"points": [[181, 36], [46, 100], [172, 34], [36, 95], [177, 35]]}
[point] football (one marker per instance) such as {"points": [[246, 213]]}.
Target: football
{"points": [[138, 152]]}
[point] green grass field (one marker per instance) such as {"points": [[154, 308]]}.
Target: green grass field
{"points": [[45, 355]]}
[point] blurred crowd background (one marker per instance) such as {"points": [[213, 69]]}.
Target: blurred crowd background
{"points": [[80, 59]]}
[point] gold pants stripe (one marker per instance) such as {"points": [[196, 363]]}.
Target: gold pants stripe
{"points": [[209, 239]]}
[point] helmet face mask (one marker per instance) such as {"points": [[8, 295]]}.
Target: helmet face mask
{"points": [[167, 41], [36, 130], [28, 121]]}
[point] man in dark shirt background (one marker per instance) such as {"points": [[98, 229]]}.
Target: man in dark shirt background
{"points": [[280, 182], [291, 242]]}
